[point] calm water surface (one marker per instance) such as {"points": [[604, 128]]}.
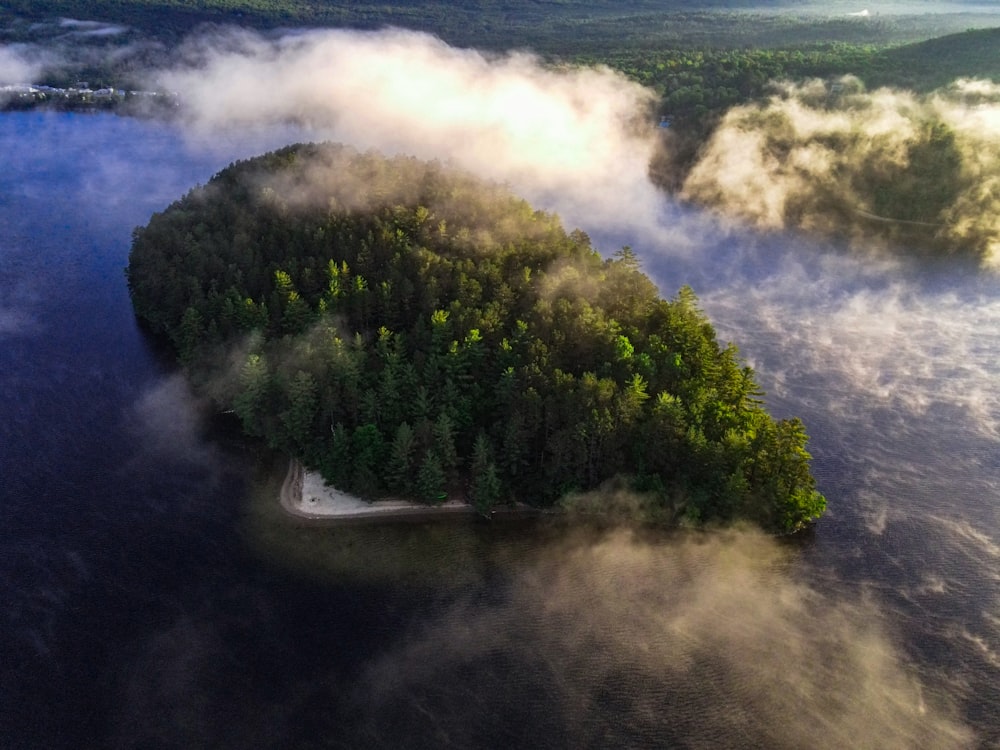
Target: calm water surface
{"points": [[152, 599]]}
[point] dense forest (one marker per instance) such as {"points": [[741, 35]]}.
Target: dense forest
{"points": [[412, 331], [700, 56], [556, 26], [214, 278], [703, 60]]}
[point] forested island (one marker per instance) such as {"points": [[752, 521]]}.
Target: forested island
{"points": [[409, 330]]}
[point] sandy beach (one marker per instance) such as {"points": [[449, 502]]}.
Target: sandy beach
{"points": [[306, 495]]}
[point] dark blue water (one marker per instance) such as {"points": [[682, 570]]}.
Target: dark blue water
{"points": [[152, 597]]}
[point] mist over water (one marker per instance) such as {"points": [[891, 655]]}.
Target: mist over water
{"points": [[699, 641], [554, 135], [890, 364], [142, 611]]}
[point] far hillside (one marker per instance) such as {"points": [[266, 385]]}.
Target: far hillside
{"points": [[700, 89], [562, 27], [702, 57], [937, 62], [705, 60]]}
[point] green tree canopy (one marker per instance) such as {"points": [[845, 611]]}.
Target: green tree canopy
{"points": [[405, 328]]}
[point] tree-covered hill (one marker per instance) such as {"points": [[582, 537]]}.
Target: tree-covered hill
{"points": [[409, 330], [562, 27], [931, 64]]}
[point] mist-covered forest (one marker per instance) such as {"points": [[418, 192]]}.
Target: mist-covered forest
{"points": [[413, 316], [554, 26], [413, 331], [711, 84], [923, 186], [650, 41], [731, 99]]}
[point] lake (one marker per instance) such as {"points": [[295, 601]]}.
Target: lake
{"points": [[155, 597]]}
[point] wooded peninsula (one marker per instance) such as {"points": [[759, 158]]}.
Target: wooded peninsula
{"points": [[409, 330]]}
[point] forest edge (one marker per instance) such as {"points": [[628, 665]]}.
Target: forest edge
{"points": [[305, 495]]}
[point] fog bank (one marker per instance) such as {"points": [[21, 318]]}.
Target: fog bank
{"points": [[700, 641], [574, 140], [860, 341], [833, 157], [21, 63]]}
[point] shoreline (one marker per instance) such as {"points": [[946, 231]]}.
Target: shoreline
{"points": [[304, 495]]}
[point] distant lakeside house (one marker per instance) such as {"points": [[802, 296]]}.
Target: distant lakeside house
{"points": [[22, 96]]}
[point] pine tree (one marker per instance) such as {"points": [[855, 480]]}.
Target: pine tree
{"points": [[337, 463], [486, 487], [431, 479], [399, 469], [368, 449], [301, 412], [251, 398], [444, 445]]}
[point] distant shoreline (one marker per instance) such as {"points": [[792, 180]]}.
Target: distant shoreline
{"points": [[28, 97]]}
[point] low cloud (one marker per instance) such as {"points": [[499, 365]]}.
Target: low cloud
{"points": [[168, 420], [867, 343], [700, 641], [599, 639], [835, 158], [91, 28], [574, 140], [22, 63]]}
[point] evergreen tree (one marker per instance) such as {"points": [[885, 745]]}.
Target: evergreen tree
{"points": [[399, 470], [337, 465], [444, 445], [251, 398], [410, 328], [486, 488], [298, 418], [367, 448], [431, 479]]}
